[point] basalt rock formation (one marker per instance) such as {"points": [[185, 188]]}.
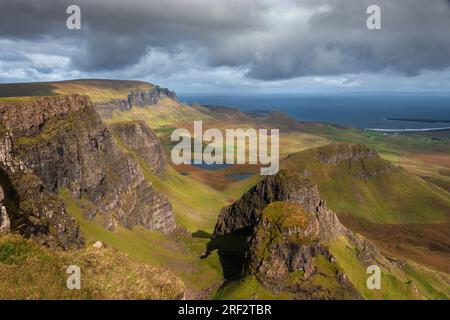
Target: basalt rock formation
{"points": [[27, 206], [336, 153], [246, 212], [136, 98], [53, 143], [139, 138], [355, 160], [4, 218], [152, 96], [289, 229]]}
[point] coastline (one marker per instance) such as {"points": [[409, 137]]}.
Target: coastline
{"points": [[408, 130]]}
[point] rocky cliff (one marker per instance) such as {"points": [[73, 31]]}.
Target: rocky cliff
{"points": [[136, 98], [289, 229], [5, 223], [152, 96], [246, 212], [60, 142], [353, 160], [27, 206], [139, 138], [287, 252], [337, 153]]}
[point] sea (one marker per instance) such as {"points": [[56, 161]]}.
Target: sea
{"points": [[396, 112]]}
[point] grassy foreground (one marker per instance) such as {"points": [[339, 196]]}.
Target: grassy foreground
{"points": [[30, 271]]}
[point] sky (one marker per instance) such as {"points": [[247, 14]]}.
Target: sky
{"points": [[232, 46]]}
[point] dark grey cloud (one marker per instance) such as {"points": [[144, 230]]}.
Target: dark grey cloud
{"points": [[413, 38], [116, 34], [270, 39]]}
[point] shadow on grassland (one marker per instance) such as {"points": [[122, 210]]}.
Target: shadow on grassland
{"points": [[231, 251]]}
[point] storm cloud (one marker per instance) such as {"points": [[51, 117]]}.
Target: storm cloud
{"points": [[264, 40]]}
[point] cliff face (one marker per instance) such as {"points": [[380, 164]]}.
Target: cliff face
{"points": [[287, 252], [136, 98], [27, 207], [139, 138], [62, 142], [337, 153], [288, 229], [284, 240], [142, 98], [356, 161], [5, 223], [284, 186]]}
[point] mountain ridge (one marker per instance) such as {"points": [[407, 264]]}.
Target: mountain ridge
{"points": [[295, 244], [356, 181]]}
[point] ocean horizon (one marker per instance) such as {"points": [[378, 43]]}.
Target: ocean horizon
{"points": [[365, 111]]}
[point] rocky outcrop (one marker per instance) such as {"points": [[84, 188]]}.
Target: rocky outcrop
{"points": [[284, 240], [26, 205], [137, 98], [284, 186], [357, 159], [289, 229], [286, 244], [152, 96], [28, 117], [140, 139], [337, 153], [4, 219], [335, 161], [62, 141]]}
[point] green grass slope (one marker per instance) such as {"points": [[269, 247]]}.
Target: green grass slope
{"points": [[399, 281], [31, 271], [406, 282], [370, 188], [165, 113], [179, 252], [409, 281], [426, 154]]}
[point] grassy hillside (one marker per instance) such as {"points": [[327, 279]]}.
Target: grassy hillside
{"points": [[426, 154], [409, 198], [165, 113], [179, 252], [30, 271], [410, 281], [407, 282], [371, 188], [248, 288], [97, 89]]}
